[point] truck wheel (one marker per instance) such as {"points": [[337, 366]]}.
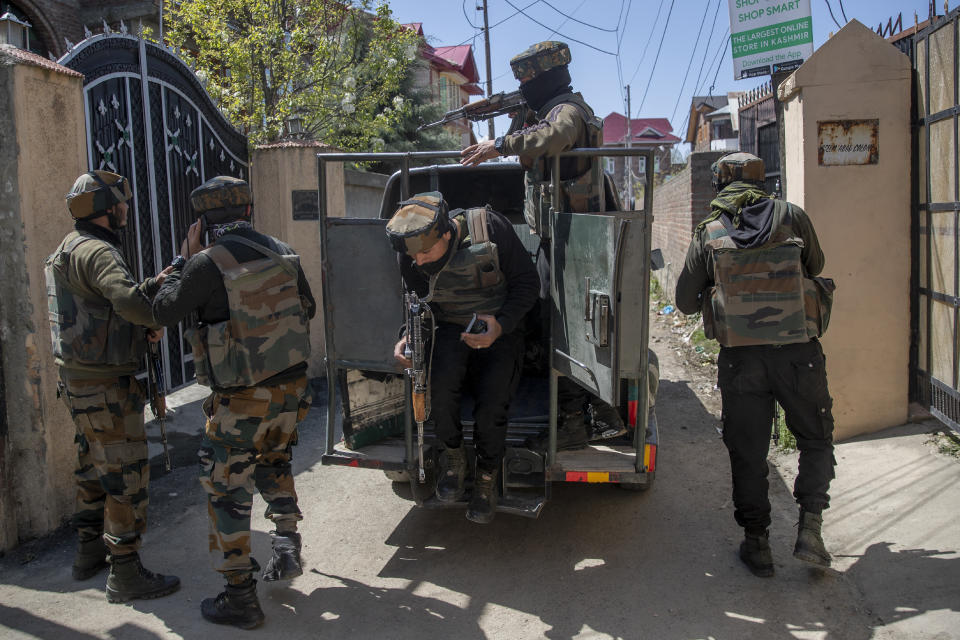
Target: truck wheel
{"points": [[397, 476], [638, 488]]}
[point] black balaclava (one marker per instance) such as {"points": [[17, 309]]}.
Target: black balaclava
{"points": [[435, 267], [545, 86]]}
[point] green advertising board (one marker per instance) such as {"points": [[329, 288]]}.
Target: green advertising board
{"points": [[768, 36]]}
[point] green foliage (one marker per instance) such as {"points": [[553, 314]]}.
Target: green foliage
{"points": [[656, 291], [785, 440], [702, 344], [337, 65]]}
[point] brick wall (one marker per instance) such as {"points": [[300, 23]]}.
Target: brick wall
{"points": [[679, 205]]}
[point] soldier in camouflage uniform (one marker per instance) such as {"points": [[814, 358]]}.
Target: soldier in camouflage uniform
{"points": [[467, 262], [254, 304], [100, 321], [751, 270], [556, 120]]}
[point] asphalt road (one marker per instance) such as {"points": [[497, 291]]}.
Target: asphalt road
{"points": [[599, 563]]}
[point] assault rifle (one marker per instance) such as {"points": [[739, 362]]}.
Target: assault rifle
{"points": [[158, 396], [496, 105], [414, 310]]}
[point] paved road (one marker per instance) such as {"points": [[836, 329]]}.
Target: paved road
{"points": [[599, 562]]}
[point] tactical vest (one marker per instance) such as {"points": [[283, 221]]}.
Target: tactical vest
{"points": [[762, 296], [582, 193], [85, 329], [471, 281], [268, 330]]}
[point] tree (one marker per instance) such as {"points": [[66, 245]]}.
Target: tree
{"points": [[334, 65]]}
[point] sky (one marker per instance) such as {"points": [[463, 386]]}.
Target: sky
{"points": [[596, 30]]}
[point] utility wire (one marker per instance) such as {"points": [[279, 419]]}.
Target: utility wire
{"points": [[666, 24], [496, 24], [624, 26], [723, 56], [586, 44], [843, 12], [830, 9], [703, 21], [706, 49], [653, 30], [570, 17], [463, 6]]}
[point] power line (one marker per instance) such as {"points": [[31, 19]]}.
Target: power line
{"points": [[656, 59], [570, 17], [706, 49], [830, 9], [586, 44], [463, 7], [496, 24], [843, 12], [723, 56], [653, 30], [624, 26], [703, 21]]}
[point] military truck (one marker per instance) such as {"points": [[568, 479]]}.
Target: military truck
{"points": [[597, 335]]}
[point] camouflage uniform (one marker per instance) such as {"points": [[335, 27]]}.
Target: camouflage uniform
{"points": [[750, 268], [98, 319], [250, 347]]}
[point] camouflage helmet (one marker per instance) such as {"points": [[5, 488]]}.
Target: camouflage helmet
{"points": [[539, 58], [221, 192], [96, 191], [419, 223], [738, 166]]}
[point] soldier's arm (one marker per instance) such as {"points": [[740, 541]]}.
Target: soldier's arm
{"points": [[109, 277], [523, 283], [812, 254], [186, 290], [694, 278], [559, 131]]}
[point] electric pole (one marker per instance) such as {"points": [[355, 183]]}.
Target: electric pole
{"points": [[628, 161], [486, 41]]}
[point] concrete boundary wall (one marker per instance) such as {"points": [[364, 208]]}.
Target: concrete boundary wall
{"points": [[42, 151], [679, 204]]}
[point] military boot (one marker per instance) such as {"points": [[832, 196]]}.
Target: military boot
{"points": [[755, 553], [605, 421], [90, 558], [450, 484], [129, 580], [571, 434], [483, 502], [809, 547], [237, 605], [285, 563]]}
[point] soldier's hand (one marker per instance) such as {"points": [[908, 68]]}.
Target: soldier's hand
{"points": [[154, 335], [477, 153], [485, 339], [192, 243], [398, 352], [160, 277]]}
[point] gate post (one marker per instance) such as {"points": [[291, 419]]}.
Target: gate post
{"points": [[847, 129], [42, 151]]}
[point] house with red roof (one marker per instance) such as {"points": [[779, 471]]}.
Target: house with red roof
{"points": [[452, 76], [643, 133]]}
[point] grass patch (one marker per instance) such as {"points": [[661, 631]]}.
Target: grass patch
{"points": [[656, 291], [947, 443], [702, 344]]}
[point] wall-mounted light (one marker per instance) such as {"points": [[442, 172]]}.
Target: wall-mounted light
{"points": [[14, 31]]}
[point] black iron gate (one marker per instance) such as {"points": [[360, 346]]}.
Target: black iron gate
{"points": [[935, 278], [149, 119]]}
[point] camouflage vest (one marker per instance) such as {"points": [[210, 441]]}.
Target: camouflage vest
{"points": [[471, 281], [86, 330], [582, 193], [268, 330], [762, 296]]}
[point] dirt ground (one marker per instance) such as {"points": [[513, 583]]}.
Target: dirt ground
{"points": [[600, 562]]}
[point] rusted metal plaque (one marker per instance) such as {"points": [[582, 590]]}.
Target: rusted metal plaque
{"points": [[848, 142]]}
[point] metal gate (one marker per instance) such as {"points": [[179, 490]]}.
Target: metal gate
{"points": [[935, 278], [149, 119]]}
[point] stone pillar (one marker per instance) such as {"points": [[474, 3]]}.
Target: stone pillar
{"points": [[847, 129], [278, 172], [42, 151]]}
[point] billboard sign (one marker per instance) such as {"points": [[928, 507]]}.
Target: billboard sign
{"points": [[768, 36]]}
